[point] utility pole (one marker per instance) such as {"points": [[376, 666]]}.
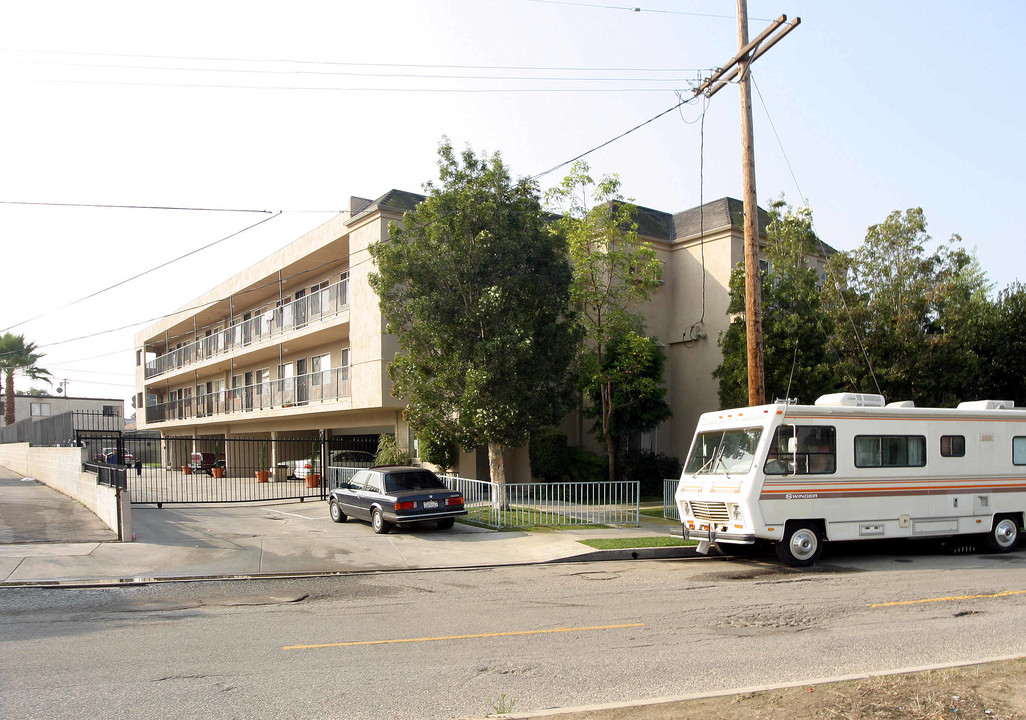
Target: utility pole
{"points": [[753, 283], [739, 65]]}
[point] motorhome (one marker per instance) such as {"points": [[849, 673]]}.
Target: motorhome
{"points": [[852, 467]]}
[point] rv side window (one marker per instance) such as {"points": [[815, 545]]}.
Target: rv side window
{"points": [[724, 452], [952, 446], [890, 451], [1019, 451], [816, 450]]}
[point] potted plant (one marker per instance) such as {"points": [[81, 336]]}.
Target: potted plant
{"points": [[262, 472], [313, 478], [186, 469], [218, 468]]}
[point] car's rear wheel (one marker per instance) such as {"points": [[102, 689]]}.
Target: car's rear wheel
{"points": [[446, 524], [378, 522], [335, 510]]}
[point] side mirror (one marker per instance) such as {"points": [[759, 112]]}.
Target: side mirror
{"points": [[792, 445]]}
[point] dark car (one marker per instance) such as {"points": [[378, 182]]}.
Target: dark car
{"points": [[205, 462], [389, 496]]}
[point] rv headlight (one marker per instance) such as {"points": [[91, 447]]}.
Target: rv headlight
{"points": [[735, 512]]}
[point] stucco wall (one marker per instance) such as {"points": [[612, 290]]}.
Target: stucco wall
{"points": [[61, 469]]}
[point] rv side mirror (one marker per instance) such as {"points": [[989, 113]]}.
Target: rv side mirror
{"points": [[792, 445]]}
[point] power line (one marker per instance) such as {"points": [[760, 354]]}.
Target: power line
{"points": [[145, 272], [130, 207], [636, 9]]}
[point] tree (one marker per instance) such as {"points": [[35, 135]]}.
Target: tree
{"points": [[613, 272], [18, 357], [795, 332], [1002, 348], [639, 398], [477, 292], [905, 317]]}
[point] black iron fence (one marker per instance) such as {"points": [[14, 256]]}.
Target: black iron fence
{"points": [[61, 429], [214, 469]]}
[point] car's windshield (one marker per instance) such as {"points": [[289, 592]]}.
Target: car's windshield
{"points": [[425, 480], [724, 452]]}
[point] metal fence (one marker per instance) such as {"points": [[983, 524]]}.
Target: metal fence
{"points": [[60, 429], [516, 505], [670, 511]]}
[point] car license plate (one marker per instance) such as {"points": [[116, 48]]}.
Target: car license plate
{"points": [[430, 503]]}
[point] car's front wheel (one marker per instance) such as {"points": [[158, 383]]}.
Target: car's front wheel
{"points": [[335, 510], [378, 523]]}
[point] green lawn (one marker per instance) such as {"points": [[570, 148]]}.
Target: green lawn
{"points": [[637, 542]]}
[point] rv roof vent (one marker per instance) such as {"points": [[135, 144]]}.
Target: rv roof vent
{"points": [[987, 405], [902, 404], [851, 400]]}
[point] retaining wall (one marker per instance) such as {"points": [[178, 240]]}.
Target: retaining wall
{"points": [[61, 469]]}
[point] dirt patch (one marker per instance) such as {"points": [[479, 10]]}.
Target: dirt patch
{"points": [[993, 690]]}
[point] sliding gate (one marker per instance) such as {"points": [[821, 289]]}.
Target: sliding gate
{"points": [[216, 470]]}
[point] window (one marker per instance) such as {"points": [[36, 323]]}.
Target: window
{"points": [[374, 483], [814, 450], [39, 409], [952, 446], [108, 411], [890, 451], [320, 367], [1019, 451], [724, 452], [359, 480]]}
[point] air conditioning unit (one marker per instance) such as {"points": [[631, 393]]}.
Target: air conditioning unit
{"points": [[851, 400]]}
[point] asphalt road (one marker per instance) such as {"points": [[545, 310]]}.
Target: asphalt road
{"points": [[465, 643]]}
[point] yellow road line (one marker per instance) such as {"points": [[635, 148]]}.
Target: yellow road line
{"points": [[461, 637], [1006, 593]]}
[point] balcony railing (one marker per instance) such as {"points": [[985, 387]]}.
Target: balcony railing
{"points": [[299, 391], [315, 307]]}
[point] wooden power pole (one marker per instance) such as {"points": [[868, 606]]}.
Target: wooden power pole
{"points": [[739, 65], [753, 283]]}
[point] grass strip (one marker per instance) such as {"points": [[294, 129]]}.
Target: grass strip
{"points": [[637, 542]]}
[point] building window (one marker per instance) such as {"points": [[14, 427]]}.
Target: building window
{"points": [[39, 409], [109, 410], [890, 451], [952, 446]]}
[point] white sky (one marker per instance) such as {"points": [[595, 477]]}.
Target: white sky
{"points": [[878, 105]]}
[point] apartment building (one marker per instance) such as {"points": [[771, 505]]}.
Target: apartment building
{"points": [[295, 345]]}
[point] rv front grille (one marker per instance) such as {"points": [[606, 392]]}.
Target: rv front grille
{"points": [[712, 511]]}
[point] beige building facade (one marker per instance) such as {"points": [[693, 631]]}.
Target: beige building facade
{"points": [[295, 345]]}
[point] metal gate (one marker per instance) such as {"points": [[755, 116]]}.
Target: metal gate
{"points": [[216, 469]]}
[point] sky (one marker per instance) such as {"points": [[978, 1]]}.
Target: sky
{"points": [[273, 114]]}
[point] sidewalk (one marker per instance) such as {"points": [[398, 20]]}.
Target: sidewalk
{"points": [[46, 539]]}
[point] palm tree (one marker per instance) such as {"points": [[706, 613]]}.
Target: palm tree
{"points": [[18, 356]]}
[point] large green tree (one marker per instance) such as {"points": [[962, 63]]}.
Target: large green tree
{"points": [[905, 316], [614, 272], [795, 331], [18, 357], [477, 291]]}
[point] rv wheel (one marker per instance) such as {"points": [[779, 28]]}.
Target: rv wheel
{"points": [[801, 546], [1003, 536]]}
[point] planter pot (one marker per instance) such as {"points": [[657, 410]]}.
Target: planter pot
{"points": [[313, 480], [186, 470], [262, 475], [217, 472]]}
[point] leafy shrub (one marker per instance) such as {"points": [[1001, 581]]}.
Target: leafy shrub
{"points": [[550, 460], [389, 452], [650, 469], [585, 466], [438, 449]]}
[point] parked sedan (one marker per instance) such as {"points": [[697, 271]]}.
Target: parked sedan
{"points": [[390, 496]]}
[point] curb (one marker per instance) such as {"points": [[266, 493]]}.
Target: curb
{"points": [[741, 691], [592, 556]]}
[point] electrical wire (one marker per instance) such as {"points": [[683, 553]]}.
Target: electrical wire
{"points": [[130, 207], [637, 9], [145, 272]]}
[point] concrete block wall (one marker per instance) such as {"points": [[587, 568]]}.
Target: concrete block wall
{"points": [[61, 469]]}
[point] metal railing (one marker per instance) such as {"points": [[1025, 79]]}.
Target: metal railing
{"points": [[323, 386], [115, 476], [670, 511], [298, 314], [516, 505]]}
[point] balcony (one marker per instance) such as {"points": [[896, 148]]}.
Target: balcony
{"points": [[316, 307], [299, 391]]}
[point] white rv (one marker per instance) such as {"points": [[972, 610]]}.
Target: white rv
{"points": [[851, 467]]}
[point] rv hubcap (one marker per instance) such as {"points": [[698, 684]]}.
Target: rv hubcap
{"points": [[803, 544], [1005, 533]]}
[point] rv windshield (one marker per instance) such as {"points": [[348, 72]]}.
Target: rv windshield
{"points": [[724, 452]]}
